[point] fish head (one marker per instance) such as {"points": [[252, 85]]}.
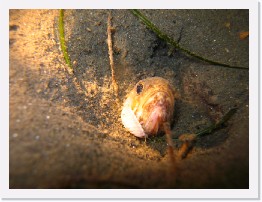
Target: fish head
{"points": [[152, 103]]}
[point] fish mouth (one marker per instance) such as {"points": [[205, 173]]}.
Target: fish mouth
{"points": [[156, 118], [157, 107]]}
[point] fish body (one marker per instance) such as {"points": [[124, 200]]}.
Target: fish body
{"points": [[148, 106]]}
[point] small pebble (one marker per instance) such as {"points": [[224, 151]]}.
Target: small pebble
{"points": [[105, 131], [37, 137], [15, 135], [47, 117]]}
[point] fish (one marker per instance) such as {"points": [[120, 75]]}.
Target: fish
{"points": [[149, 106]]}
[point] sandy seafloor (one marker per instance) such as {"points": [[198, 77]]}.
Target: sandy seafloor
{"points": [[65, 129]]}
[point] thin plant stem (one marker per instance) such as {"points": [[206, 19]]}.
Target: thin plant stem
{"points": [[62, 39], [110, 53], [213, 127], [169, 40], [173, 167]]}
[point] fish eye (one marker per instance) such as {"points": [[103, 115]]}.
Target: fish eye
{"points": [[139, 88]]}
